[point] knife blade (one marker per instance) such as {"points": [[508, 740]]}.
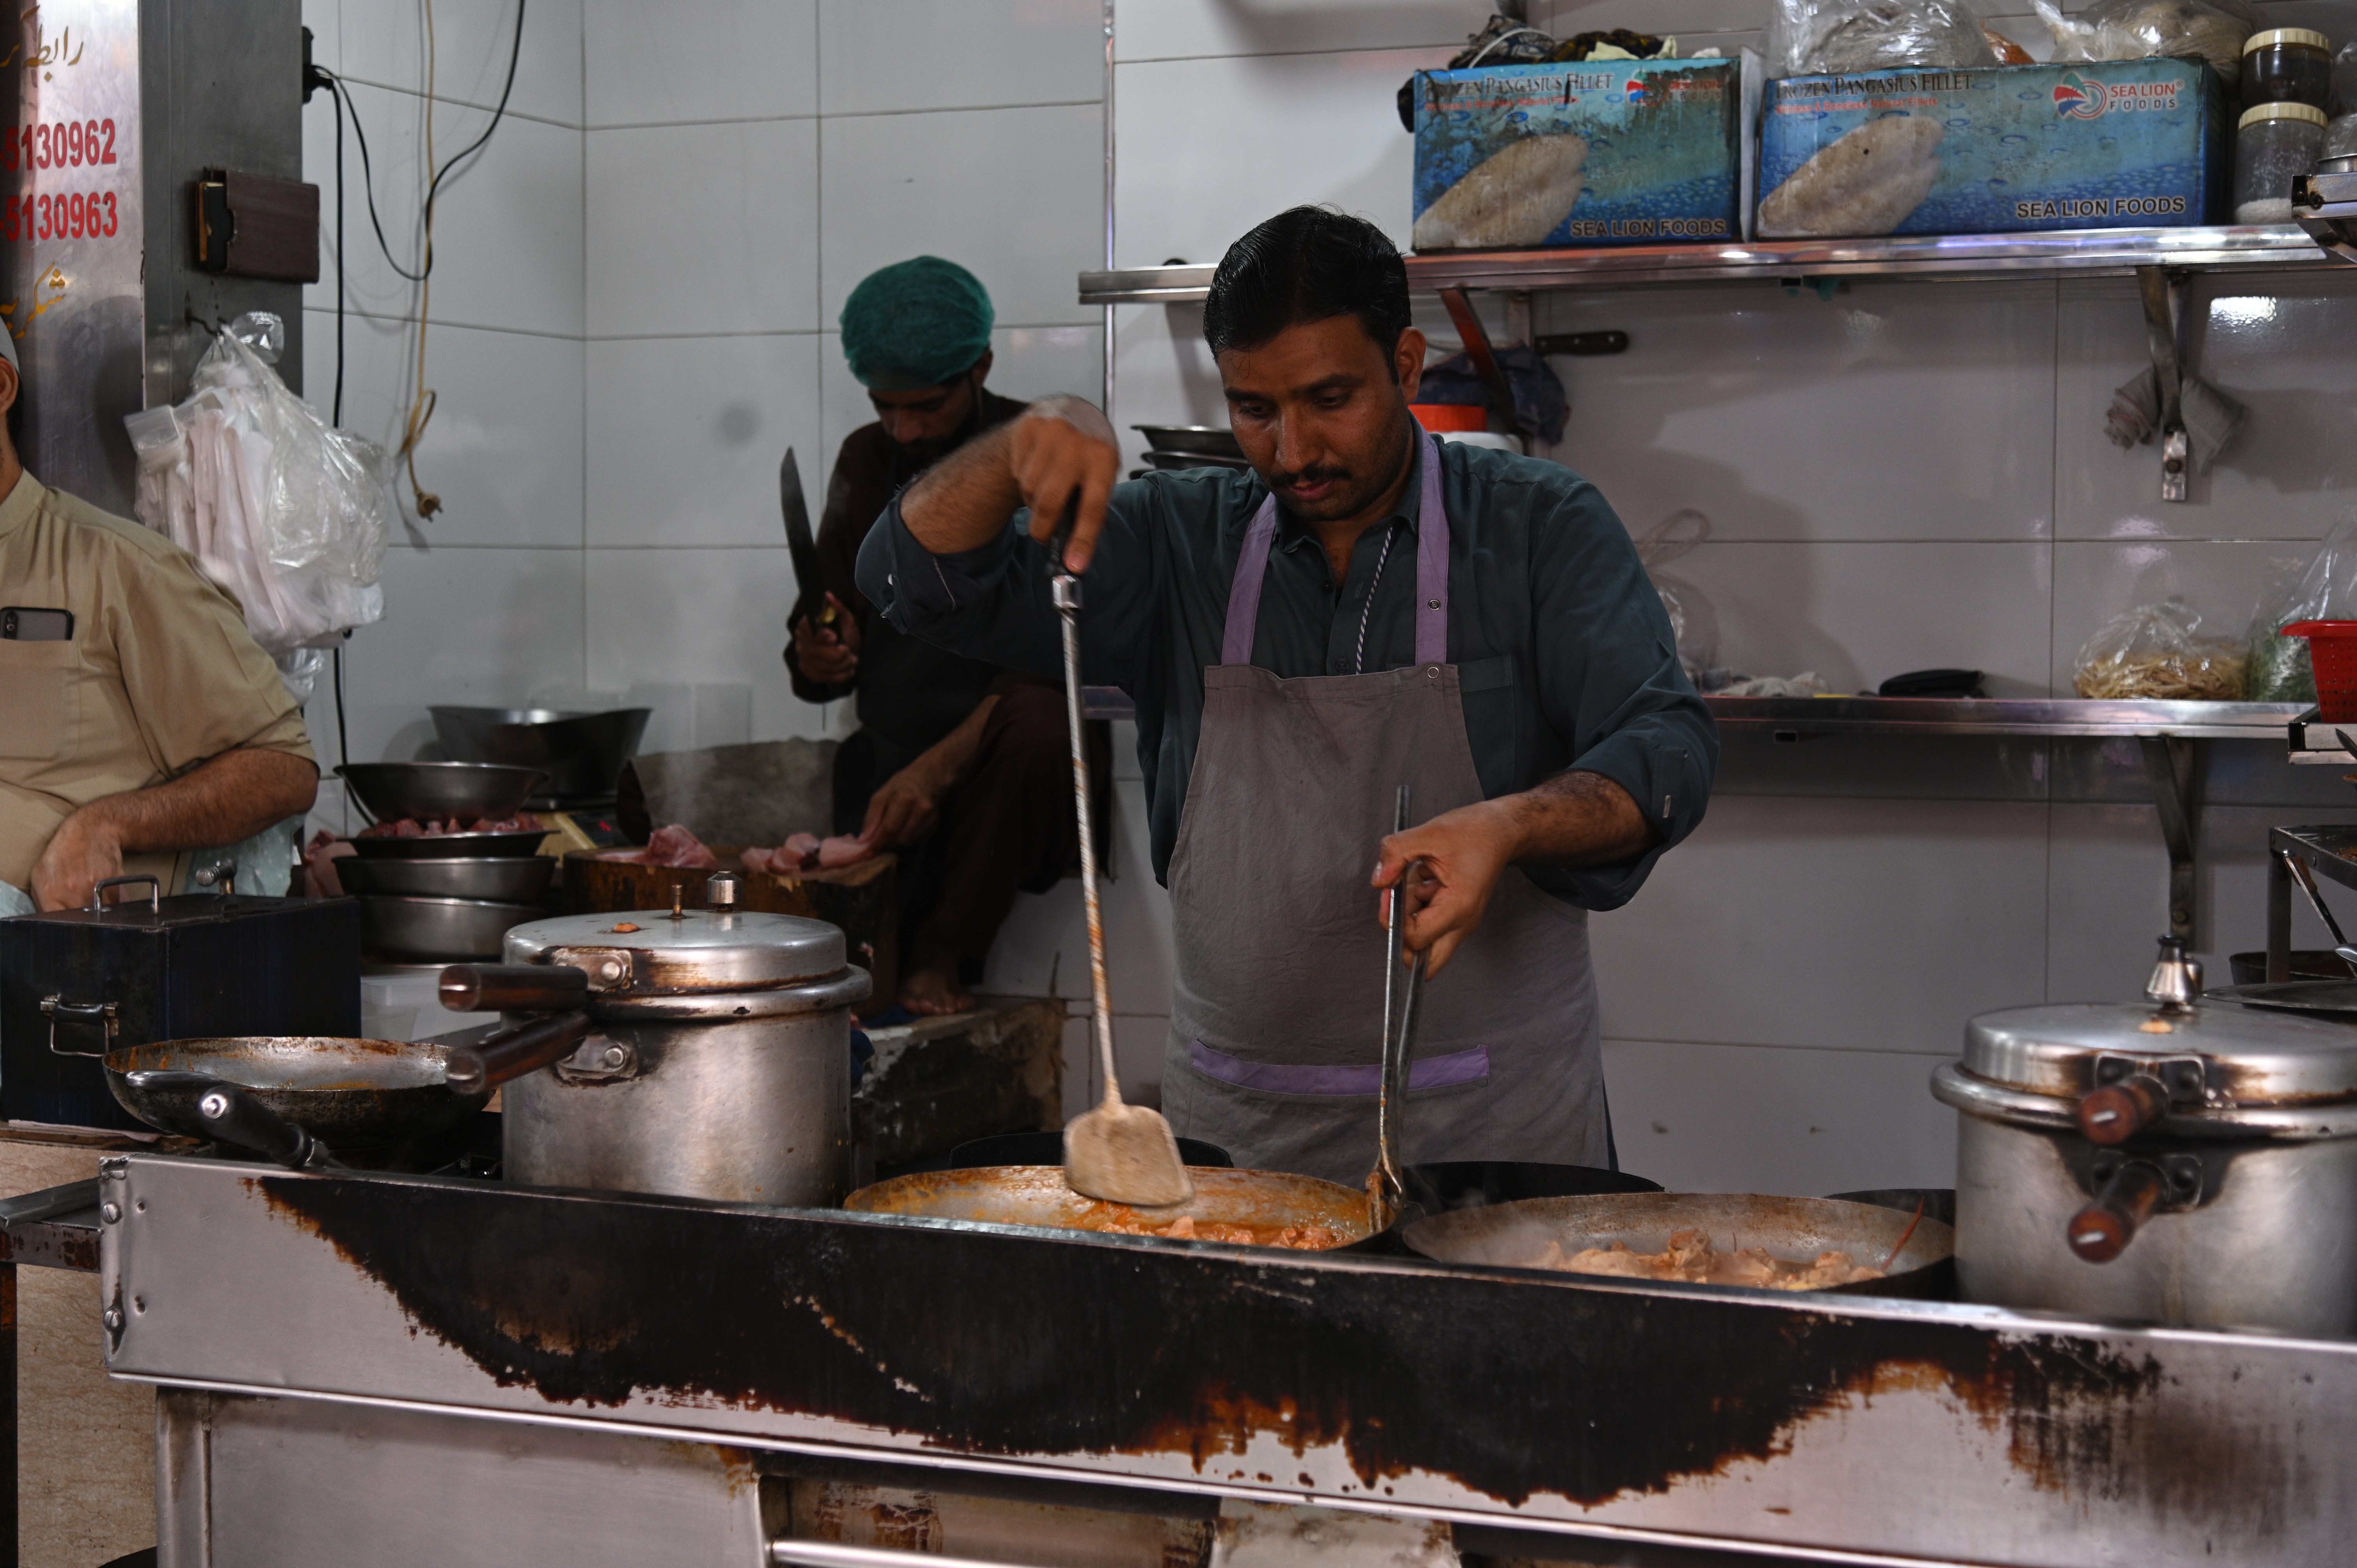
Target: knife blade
{"points": [[810, 591]]}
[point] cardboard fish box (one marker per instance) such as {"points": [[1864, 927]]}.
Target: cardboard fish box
{"points": [[2101, 144], [1635, 151]]}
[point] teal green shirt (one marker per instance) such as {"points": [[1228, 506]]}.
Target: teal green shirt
{"points": [[1564, 652]]}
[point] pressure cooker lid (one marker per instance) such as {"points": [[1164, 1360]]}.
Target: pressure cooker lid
{"points": [[654, 951], [2254, 1057], [2244, 1057]]}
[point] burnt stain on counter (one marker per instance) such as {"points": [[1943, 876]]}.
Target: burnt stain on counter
{"points": [[1513, 1386]]}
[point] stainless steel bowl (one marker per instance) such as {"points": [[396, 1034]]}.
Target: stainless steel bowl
{"points": [[582, 753], [432, 791], [518, 881], [438, 928], [451, 847], [1201, 440]]}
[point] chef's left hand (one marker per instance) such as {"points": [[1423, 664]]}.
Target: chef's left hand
{"points": [[1464, 852], [82, 852]]}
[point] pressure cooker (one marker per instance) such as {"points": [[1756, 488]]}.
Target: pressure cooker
{"points": [[2184, 1162], [706, 1052]]}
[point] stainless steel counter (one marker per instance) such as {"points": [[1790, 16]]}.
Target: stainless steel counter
{"points": [[465, 1329]]}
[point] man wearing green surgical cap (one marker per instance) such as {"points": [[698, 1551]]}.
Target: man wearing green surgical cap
{"points": [[960, 766]]}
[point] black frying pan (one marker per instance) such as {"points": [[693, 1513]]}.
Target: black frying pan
{"points": [[349, 1094], [1918, 1249]]}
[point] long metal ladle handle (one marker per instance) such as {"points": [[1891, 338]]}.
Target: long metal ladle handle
{"points": [[1066, 590]]}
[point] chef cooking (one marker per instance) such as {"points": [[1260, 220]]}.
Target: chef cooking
{"points": [[138, 718], [1367, 609], [960, 765]]}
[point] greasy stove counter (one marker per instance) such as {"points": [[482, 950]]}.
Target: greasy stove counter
{"points": [[1895, 1429]]}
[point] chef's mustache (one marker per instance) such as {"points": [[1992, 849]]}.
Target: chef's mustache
{"points": [[1315, 474]]}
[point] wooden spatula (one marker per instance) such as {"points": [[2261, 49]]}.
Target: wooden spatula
{"points": [[1122, 1153]]}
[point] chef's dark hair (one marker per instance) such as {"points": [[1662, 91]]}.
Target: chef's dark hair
{"points": [[1310, 263]]}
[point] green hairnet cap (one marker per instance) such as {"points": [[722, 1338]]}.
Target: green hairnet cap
{"points": [[915, 324]]}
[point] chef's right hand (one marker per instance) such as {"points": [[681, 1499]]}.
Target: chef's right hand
{"points": [[1064, 445], [828, 655]]}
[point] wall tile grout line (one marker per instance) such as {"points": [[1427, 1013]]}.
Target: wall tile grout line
{"points": [[841, 115]]}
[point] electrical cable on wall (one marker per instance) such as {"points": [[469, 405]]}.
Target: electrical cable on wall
{"points": [[320, 76], [421, 410]]}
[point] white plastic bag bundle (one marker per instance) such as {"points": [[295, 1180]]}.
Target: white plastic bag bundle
{"points": [[2142, 30], [1813, 37], [284, 511]]}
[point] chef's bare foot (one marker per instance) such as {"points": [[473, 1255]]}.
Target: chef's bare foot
{"points": [[934, 992]]}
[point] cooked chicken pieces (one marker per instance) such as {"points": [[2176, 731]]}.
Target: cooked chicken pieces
{"points": [[1690, 1258]]}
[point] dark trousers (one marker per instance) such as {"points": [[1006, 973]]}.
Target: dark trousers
{"points": [[1007, 825]]}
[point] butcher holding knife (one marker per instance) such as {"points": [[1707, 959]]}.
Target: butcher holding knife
{"points": [[1366, 608], [960, 766]]}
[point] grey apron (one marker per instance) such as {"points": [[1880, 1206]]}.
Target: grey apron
{"points": [[1276, 1015]]}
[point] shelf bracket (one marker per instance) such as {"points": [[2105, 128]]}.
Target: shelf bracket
{"points": [[2164, 310], [2170, 760]]}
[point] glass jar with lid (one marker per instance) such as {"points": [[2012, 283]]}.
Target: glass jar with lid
{"points": [[2288, 65], [2275, 144]]}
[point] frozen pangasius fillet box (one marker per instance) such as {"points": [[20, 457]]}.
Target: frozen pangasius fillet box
{"points": [[1627, 152], [2099, 145]]}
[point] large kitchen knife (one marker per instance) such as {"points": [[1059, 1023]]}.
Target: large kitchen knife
{"points": [[810, 591]]}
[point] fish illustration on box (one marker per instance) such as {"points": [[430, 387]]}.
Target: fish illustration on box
{"points": [[1590, 152], [2097, 145]]}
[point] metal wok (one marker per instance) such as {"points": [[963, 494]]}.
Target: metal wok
{"points": [[349, 1094], [1267, 1203], [1515, 1235]]}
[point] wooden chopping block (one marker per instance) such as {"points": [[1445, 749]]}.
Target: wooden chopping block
{"points": [[862, 901]]}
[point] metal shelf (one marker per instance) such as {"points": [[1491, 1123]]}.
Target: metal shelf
{"points": [[2066, 717], [2085, 252]]}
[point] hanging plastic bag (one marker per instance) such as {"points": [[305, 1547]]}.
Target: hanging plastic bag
{"points": [[2212, 30], [2157, 651], [1692, 620], [287, 512], [1819, 37], [2324, 589]]}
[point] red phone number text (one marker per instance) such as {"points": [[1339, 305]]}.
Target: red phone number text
{"points": [[70, 145], [64, 216]]}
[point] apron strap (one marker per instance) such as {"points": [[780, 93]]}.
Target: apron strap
{"points": [[1431, 573]]}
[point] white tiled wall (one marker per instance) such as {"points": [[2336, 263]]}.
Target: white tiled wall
{"points": [[1900, 477], [634, 315]]}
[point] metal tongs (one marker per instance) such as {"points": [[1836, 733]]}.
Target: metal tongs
{"points": [[1386, 1189], [1122, 1153]]}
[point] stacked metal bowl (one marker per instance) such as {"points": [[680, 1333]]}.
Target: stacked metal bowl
{"points": [[443, 896]]}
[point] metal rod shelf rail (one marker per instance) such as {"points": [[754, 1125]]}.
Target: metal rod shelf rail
{"points": [[1796, 718], [2082, 251], [2329, 851]]}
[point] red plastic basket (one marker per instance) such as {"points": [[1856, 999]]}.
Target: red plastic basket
{"points": [[2332, 649]]}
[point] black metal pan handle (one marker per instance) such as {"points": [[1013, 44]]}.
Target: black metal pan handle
{"points": [[232, 1115], [511, 1053], [513, 987]]}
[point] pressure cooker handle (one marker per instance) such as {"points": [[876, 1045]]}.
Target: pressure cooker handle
{"points": [[2102, 1231], [2118, 1111], [513, 987], [511, 1053]]}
